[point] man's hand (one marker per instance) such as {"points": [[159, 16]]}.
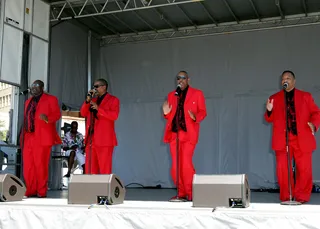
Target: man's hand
{"points": [[166, 107], [90, 95], [44, 118], [269, 105], [94, 105], [312, 127], [192, 115]]}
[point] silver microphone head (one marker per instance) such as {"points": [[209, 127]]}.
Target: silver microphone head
{"points": [[178, 90], [94, 90], [25, 92], [285, 85]]}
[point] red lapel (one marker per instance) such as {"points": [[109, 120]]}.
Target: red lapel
{"points": [[189, 94], [298, 102]]}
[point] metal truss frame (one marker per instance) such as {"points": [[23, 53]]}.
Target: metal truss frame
{"points": [[100, 7], [214, 29], [73, 9]]}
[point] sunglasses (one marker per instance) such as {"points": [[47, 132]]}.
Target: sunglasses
{"points": [[97, 86], [35, 85], [181, 77]]}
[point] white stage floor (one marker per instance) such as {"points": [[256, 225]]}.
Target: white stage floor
{"points": [[54, 212]]}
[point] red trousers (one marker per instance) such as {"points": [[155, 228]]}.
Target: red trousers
{"points": [[301, 190], [36, 160], [100, 161], [186, 169]]}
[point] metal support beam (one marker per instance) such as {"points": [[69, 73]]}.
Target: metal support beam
{"points": [[165, 19], [140, 17], [125, 24], [221, 29], [105, 26], [61, 6], [208, 13], [279, 8], [144, 21], [305, 7], [255, 9], [187, 16], [231, 11], [89, 75]]}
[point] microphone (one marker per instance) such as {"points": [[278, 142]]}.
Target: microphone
{"points": [[178, 90], [24, 92], [91, 93], [285, 85]]}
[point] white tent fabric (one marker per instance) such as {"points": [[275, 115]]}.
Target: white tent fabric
{"points": [[56, 213], [236, 72]]}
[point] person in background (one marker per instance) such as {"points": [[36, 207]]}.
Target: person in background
{"points": [[73, 144]]}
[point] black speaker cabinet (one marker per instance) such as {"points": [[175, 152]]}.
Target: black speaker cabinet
{"points": [[11, 188], [96, 189], [213, 191]]}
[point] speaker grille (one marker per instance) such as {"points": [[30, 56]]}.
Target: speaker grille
{"points": [[13, 190]]}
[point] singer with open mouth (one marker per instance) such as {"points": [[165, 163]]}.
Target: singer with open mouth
{"points": [[101, 110], [295, 118], [41, 113], [184, 110]]}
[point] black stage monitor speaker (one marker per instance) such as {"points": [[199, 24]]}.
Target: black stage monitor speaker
{"points": [[96, 189], [213, 191], [11, 188]]}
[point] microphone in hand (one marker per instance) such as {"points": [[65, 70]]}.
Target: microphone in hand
{"points": [[90, 94], [24, 92], [285, 85], [178, 90]]}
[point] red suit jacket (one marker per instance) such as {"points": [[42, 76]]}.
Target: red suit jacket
{"points": [[306, 111], [194, 102], [104, 133], [46, 133]]}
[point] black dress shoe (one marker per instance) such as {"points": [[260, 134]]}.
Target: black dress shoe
{"points": [[31, 196]]}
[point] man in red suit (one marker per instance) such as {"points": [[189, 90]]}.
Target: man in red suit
{"points": [[303, 122], [101, 110], [183, 112], [39, 134]]}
